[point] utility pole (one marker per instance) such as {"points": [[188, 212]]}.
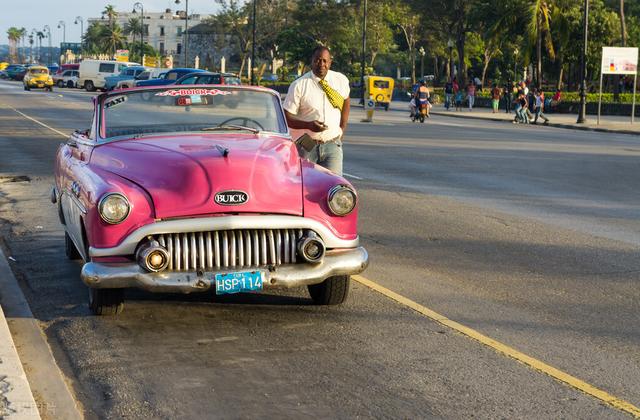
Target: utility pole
{"points": [[253, 45], [583, 66]]}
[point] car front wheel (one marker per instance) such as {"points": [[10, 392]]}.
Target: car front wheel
{"points": [[332, 291], [88, 86], [70, 248], [106, 301], [60, 83]]}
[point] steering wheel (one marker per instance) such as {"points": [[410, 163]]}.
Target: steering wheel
{"points": [[245, 122]]}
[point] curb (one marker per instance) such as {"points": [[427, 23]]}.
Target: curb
{"points": [[16, 398], [33, 374]]}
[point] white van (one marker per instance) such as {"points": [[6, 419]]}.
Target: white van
{"points": [[93, 72]]}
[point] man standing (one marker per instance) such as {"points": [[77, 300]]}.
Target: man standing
{"points": [[318, 103]]}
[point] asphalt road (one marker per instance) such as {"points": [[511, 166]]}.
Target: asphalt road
{"points": [[528, 235]]}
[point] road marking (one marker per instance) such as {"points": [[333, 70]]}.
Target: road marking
{"points": [[504, 349], [352, 176], [38, 122]]}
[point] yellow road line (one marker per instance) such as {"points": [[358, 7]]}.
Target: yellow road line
{"points": [[504, 349], [60, 133]]}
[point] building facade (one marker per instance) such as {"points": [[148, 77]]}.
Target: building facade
{"points": [[164, 31]]}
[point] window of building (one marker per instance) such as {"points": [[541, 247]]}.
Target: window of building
{"points": [[162, 48], [179, 49], [179, 30], [162, 31]]}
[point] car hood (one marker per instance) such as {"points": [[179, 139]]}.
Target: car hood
{"points": [[183, 174]]}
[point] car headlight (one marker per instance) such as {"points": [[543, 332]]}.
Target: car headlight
{"points": [[114, 208], [342, 200]]}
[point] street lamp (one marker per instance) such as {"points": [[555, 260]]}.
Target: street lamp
{"points": [[47, 30], [364, 48], [450, 45], [583, 66], [79, 19], [33, 32], [63, 25], [253, 45], [186, 28], [138, 5], [422, 53], [515, 64]]}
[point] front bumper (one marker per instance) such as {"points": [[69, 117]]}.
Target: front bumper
{"points": [[44, 83], [115, 275]]}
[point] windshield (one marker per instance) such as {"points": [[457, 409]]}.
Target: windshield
{"points": [[39, 71], [171, 110]]}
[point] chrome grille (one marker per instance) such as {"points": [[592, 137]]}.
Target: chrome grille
{"points": [[231, 248]]}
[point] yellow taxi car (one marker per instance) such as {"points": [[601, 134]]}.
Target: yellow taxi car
{"points": [[38, 77], [3, 65], [380, 89]]}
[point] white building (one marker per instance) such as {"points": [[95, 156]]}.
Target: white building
{"points": [[164, 31]]}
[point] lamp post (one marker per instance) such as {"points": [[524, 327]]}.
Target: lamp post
{"points": [[79, 19], [47, 30], [63, 25], [422, 54], [253, 45], [450, 46], [364, 49], [33, 32], [583, 66], [186, 28], [515, 64], [138, 5]]}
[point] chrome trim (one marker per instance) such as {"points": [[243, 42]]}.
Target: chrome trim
{"points": [[76, 201], [102, 200], [210, 224], [333, 191], [116, 275]]}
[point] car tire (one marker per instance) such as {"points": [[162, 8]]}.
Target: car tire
{"points": [[70, 84], [60, 83], [332, 291], [50, 88], [26, 87], [70, 248], [88, 86], [105, 302]]}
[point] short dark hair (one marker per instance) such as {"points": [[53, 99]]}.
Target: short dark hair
{"points": [[319, 49]]}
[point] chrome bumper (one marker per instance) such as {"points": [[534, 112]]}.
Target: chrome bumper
{"points": [[113, 276]]}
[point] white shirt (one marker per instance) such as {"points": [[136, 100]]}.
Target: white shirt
{"points": [[308, 102]]}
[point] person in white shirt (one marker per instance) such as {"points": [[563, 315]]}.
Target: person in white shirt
{"points": [[318, 104]]}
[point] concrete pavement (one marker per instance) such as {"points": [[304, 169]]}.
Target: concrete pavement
{"points": [[16, 399], [608, 123]]}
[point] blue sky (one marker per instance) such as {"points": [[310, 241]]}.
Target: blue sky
{"points": [[34, 15]]}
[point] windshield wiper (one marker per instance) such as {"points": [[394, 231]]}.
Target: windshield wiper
{"points": [[231, 127]]}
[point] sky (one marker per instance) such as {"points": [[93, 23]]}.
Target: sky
{"points": [[34, 15]]}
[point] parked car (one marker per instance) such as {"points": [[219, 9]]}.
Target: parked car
{"points": [[15, 71], [37, 77], [127, 74], [153, 73], [68, 78], [208, 78], [94, 72], [197, 194], [64, 67], [169, 77]]}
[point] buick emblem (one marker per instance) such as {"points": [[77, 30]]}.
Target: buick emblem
{"points": [[231, 198]]}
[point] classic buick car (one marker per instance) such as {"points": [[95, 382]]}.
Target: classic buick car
{"points": [[191, 188]]}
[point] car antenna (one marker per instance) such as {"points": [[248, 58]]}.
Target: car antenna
{"points": [[223, 150]]}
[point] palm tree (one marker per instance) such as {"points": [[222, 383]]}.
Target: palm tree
{"points": [[539, 31], [13, 34], [112, 39], [111, 14], [623, 25], [133, 27], [23, 34], [40, 36], [93, 37]]}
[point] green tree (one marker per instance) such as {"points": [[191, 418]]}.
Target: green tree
{"points": [[14, 35]]}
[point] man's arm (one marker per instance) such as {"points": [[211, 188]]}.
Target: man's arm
{"points": [[344, 116], [294, 122]]}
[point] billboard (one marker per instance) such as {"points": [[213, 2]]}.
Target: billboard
{"points": [[616, 60], [122, 55], [74, 47]]}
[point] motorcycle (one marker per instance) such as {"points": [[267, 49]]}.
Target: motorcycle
{"points": [[421, 111]]}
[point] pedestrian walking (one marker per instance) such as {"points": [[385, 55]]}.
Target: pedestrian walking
{"points": [[495, 98], [539, 107], [448, 94], [318, 104], [471, 95], [508, 96], [459, 98], [522, 106]]}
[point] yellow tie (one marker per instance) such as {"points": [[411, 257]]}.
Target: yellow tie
{"points": [[335, 99]]}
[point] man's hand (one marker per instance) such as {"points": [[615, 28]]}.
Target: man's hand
{"points": [[316, 126]]}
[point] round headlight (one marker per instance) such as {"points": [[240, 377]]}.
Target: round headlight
{"points": [[114, 208], [342, 200]]}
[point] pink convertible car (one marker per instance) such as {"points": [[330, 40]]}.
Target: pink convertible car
{"points": [[201, 187]]}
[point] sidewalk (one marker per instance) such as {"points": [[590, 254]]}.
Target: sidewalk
{"points": [[608, 123]]}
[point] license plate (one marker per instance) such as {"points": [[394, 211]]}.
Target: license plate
{"points": [[40, 85], [239, 282], [196, 99]]}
